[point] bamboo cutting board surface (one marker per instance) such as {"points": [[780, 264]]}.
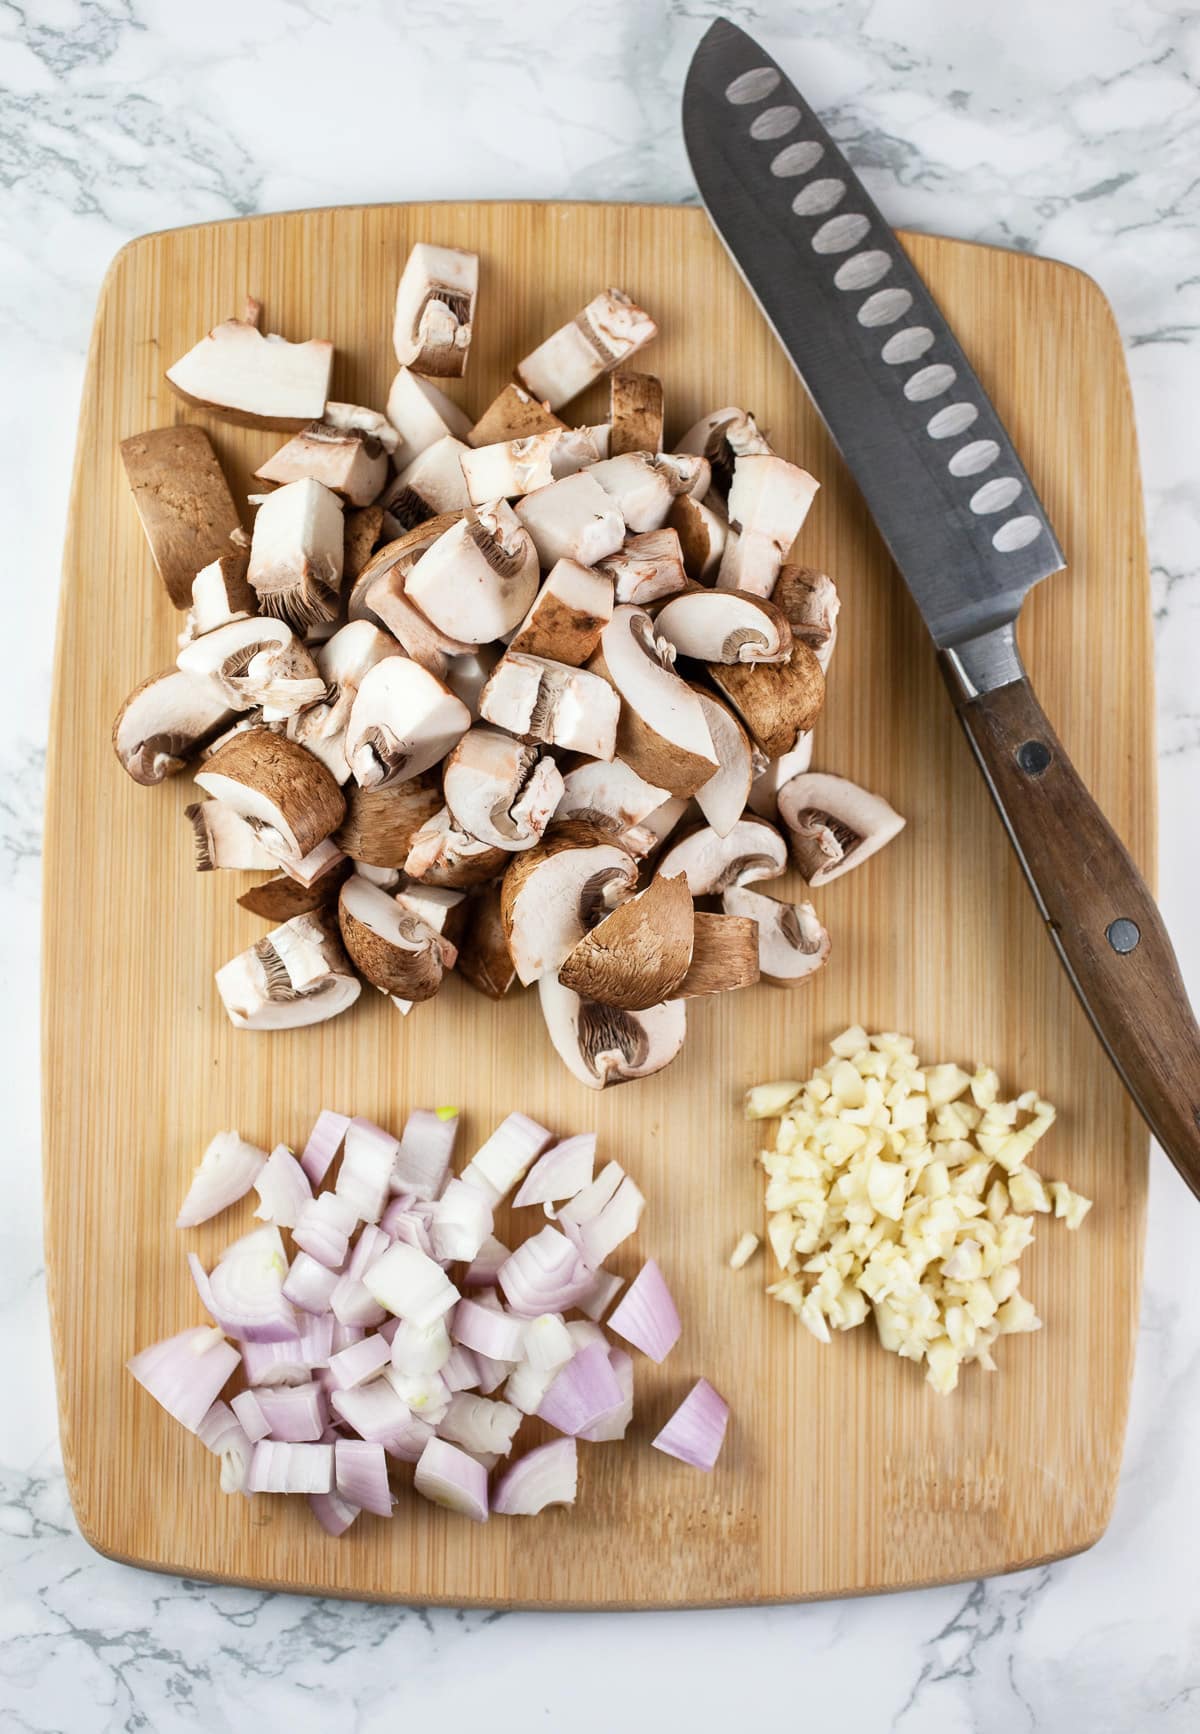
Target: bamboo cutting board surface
{"points": [[842, 1471]]}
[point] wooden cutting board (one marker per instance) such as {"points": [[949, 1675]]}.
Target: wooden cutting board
{"points": [[842, 1471]]}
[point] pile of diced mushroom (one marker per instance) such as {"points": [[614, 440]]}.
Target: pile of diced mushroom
{"points": [[529, 701]]}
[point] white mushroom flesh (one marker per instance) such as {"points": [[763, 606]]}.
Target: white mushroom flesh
{"points": [[602, 335], [567, 616], [403, 721], [601, 1045], [256, 661], [219, 591], [509, 468], [422, 415], [431, 484], [479, 578], [638, 663], [297, 974], [642, 485], [499, 790], [578, 447], [646, 567], [348, 461], [239, 370], [224, 840], [561, 900], [166, 720], [342, 663], [573, 519], [724, 626], [768, 502], [751, 850], [296, 553], [764, 791], [723, 798], [369, 421], [435, 304], [553, 702], [833, 825], [792, 944]]}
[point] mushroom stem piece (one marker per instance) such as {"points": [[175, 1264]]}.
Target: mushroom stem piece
{"points": [[833, 825], [637, 956], [435, 304], [602, 335], [296, 553], [500, 791], [549, 701], [255, 380], [602, 1045], [792, 944], [298, 974], [165, 721]]}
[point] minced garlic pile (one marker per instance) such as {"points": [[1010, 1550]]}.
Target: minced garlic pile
{"points": [[904, 1189]]}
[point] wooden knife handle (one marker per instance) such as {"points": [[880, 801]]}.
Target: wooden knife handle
{"points": [[1099, 911]]}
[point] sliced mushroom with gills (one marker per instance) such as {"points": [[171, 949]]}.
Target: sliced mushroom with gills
{"points": [[183, 501], [751, 850], [484, 960], [552, 702], [724, 626], [431, 484], [702, 533], [361, 532], [722, 438], [395, 950], [513, 415], [165, 721], [256, 661], [381, 823], [642, 485], [612, 798], [833, 825], [252, 379], [499, 790], [402, 722], [636, 957], [223, 839], [792, 944], [555, 893], [422, 414], [435, 304], [635, 412], [445, 911], [768, 503], [764, 791], [573, 519], [441, 854], [509, 468], [381, 594], [724, 955], [603, 1045], [469, 672], [662, 732], [567, 615], [296, 553], [810, 600], [777, 701], [602, 335], [285, 794], [348, 461], [342, 664], [479, 578], [576, 448], [297, 974], [281, 897], [723, 798], [221, 593], [646, 567]]}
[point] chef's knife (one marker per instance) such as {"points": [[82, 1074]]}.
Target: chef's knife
{"points": [[963, 524]]}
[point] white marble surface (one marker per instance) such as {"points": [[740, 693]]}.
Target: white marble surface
{"points": [[1072, 129]]}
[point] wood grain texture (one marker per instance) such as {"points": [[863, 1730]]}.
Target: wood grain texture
{"points": [[842, 1471]]}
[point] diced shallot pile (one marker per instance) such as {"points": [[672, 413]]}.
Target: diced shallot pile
{"points": [[401, 1331], [507, 696]]}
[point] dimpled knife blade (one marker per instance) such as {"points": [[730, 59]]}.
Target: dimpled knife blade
{"points": [[938, 471]]}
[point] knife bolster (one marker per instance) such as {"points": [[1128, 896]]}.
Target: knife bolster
{"points": [[983, 664]]}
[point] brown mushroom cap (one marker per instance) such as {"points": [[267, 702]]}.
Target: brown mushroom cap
{"points": [[776, 700], [810, 600], [484, 960], [833, 825], [602, 1044], [637, 956], [395, 950], [792, 944], [285, 793], [661, 732], [636, 412], [702, 532], [646, 567], [553, 894], [381, 823], [567, 616], [281, 897], [165, 721], [513, 415], [724, 955], [751, 850]]}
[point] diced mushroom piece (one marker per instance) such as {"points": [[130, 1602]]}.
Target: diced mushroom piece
{"points": [[636, 957], [573, 519], [183, 501], [602, 1045], [702, 534], [725, 626], [401, 553], [441, 854], [567, 616], [435, 304], [833, 825], [165, 721], [381, 594], [296, 553], [552, 702], [403, 720], [484, 960], [602, 335], [256, 661], [723, 798], [468, 673], [777, 701], [724, 956], [350, 416], [381, 823], [612, 798], [792, 944], [297, 974], [342, 663], [513, 415], [348, 461], [764, 791], [422, 415], [659, 824], [662, 732], [362, 530], [445, 911], [636, 413], [810, 600], [751, 850], [578, 447], [223, 839], [479, 577], [431, 484], [642, 485], [552, 896], [283, 792], [768, 502], [646, 567], [220, 593], [722, 438], [509, 468], [499, 790], [391, 947], [323, 862], [280, 898], [252, 379]]}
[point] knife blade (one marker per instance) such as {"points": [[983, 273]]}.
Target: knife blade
{"points": [[963, 523]]}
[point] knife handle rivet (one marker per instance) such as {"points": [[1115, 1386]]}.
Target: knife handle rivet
{"points": [[1123, 934], [1033, 757]]}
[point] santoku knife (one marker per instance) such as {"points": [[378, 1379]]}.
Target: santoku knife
{"points": [[963, 524]]}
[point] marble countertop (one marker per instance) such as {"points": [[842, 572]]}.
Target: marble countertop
{"points": [[1072, 130]]}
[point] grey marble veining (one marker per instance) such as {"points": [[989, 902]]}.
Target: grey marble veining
{"points": [[1072, 129]]}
